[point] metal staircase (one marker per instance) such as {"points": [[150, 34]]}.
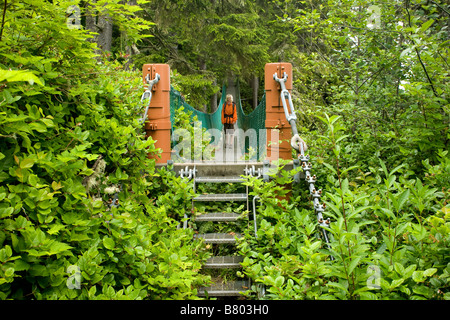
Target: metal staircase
{"points": [[223, 173], [221, 288]]}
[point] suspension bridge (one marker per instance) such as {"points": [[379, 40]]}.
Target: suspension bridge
{"points": [[261, 137]]}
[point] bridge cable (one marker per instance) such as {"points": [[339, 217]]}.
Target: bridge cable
{"points": [[300, 147]]}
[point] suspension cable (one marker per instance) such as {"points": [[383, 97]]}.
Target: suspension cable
{"points": [[299, 145], [147, 95]]}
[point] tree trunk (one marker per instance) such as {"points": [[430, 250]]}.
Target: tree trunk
{"points": [[101, 24], [105, 27], [202, 66], [214, 100], [231, 87], [255, 88]]}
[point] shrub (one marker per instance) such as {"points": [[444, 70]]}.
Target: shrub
{"points": [[83, 214]]}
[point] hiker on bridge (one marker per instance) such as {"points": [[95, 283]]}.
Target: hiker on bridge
{"points": [[229, 118]]}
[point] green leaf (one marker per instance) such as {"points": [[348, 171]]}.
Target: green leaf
{"points": [[396, 283], [279, 281], [388, 212], [19, 75], [9, 272], [21, 222], [366, 295], [58, 247], [26, 163], [418, 276], [426, 25], [21, 265], [409, 271], [429, 272], [384, 168], [423, 290], [405, 52], [399, 268], [5, 212], [342, 137], [39, 127], [348, 169], [402, 198], [337, 285], [5, 253], [108, 243], [92, 292], [330, 167], [344, 186], [48, 122], [353, 265]]}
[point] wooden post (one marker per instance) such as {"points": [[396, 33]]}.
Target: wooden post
{"points": [[157, 124], [275, 118]]}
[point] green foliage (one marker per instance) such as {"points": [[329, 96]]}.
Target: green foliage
{"points": [[389, 235], [187, 132], [82, 209], [196, 87], [85, 215], [206, 42]]}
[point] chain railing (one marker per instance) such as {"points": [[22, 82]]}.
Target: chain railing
{"points": [[147, 95], [299, 145]]}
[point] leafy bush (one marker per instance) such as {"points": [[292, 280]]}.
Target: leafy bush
{"points": [[389, 236], [83, 214]]}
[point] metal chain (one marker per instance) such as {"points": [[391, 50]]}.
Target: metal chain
{"points": [[299, 145], [147, 95]]}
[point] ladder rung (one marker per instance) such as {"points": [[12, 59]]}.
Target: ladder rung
{"points": [[231, 288], [222, 197], [219, 237], [226, 179], [223, 262], [218, 216]]}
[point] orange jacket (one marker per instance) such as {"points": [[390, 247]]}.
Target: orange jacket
{"points": [[229, 113]]}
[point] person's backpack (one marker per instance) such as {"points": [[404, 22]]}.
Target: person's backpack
{"points": [[229, 116]]}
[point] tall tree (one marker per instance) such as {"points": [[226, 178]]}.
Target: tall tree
{"points": [[386, 62], [100, 23], [102, 17]]}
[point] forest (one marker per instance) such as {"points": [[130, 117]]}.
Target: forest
{"points": [[371, 96]]}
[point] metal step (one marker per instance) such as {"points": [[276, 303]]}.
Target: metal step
{"points": [[226, 179], [231, 288], [218, 237], [223, 262], [218, 216], [222, 197]]}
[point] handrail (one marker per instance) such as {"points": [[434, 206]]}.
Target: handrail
{"points": [[254, 214]]}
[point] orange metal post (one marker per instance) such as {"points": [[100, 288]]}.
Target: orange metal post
{"points": [[157, 124], [275, 116]]}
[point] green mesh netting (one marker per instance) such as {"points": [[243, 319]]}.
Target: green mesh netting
{"points": [[255, 120], [208, 120]]}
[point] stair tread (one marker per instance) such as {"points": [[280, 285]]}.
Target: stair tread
{"points": [[221, 197], [219, 237], [224, 262], [217, 216], [231, 288], [220, 179]]}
